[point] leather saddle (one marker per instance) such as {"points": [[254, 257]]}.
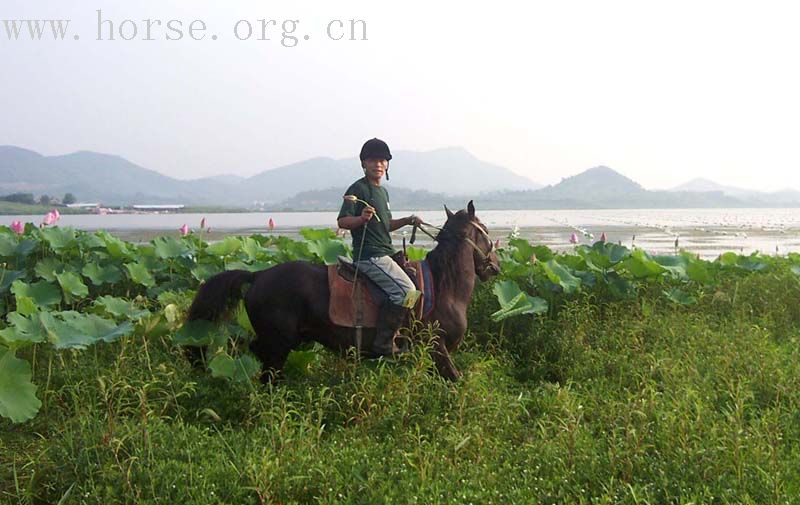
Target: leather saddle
{"points": [[355, 299]]}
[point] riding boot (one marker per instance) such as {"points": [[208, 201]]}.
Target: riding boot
{"points": [[390, 318]]}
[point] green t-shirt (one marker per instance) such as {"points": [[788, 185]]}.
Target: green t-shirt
{"points": [[378, 241]]}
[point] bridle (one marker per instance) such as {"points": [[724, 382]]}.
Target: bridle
{"points": [[486, 261]]}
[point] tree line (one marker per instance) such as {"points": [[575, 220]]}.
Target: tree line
{"points": [[30, 199]]}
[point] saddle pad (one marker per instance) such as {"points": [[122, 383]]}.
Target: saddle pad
{"points": [[342, 306], [359, 307]]}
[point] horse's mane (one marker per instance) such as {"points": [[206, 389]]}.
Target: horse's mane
{"points": [[442, 258]]}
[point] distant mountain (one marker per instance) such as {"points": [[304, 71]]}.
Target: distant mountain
{"points": [[596, 188], [418, 180], [604, 188], [229, 179], [89, 175], [439, 169], [748, 197], [96, 177], [702, 185], [313, 174], [595, 184], [113, 180], [784, 195], [401, 199], [432, 171]]}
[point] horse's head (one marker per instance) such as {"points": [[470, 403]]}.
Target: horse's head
{"points": [[466, 226]]}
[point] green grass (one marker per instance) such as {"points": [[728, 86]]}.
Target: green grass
{"points": [[24, 209], [636, 401]]}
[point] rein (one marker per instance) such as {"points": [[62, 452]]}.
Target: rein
{"points": [[484, 255], [419, 226]]}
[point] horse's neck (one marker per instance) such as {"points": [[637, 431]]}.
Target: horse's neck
{"points": [[457, 287]]}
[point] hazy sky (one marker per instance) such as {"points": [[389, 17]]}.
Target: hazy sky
{"points": [[660, 91]]}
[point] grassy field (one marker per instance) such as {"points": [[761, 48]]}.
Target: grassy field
{"points": [[24, 209], [637, 401]]}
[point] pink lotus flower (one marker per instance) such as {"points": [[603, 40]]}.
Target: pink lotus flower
{"points": [[184, 230], [56, 213], [497, 244], [17, 227], [573, 239], [202, 223], [49, 219], [271, 224], [603, 237]]}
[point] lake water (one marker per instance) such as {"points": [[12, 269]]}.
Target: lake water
{"points": [[706, 231]]}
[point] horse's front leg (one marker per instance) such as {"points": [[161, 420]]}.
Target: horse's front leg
{"points": [[444, 364]]}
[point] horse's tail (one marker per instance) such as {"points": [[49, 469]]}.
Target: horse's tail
{"points": [[219, 294]]}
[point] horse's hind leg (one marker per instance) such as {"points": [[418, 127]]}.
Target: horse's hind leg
{"points": [[443, 361], [276, 336]]}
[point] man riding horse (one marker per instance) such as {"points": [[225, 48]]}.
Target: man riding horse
{"points": [[290, 303], [369, 218]]}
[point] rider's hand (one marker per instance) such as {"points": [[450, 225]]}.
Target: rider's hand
{"points": [[414, 220], [367, 213]]}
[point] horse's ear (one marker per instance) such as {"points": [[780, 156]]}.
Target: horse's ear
{"points": [[449, 214], [471, 209]]}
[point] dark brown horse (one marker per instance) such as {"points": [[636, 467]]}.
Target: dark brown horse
{"points": [[288, 303]]}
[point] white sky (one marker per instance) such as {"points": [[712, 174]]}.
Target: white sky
{"points": [[660, 91]]}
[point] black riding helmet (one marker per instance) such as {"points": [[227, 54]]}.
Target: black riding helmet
{"points": [[376, 148]]}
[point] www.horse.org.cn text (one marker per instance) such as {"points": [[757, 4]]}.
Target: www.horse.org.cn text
{"points": [[285, 32]]}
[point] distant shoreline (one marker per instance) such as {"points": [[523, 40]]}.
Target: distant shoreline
{"points": [[40, 210], [21, 209], [708, 244]]}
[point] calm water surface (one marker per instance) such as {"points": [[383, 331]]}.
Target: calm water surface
{"points": [[706, 231]]}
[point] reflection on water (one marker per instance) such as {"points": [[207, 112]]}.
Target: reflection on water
{"points": [[706, 231]]}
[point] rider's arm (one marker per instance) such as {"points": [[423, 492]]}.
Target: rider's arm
{"points": [[351, 222], [403, 221]]}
